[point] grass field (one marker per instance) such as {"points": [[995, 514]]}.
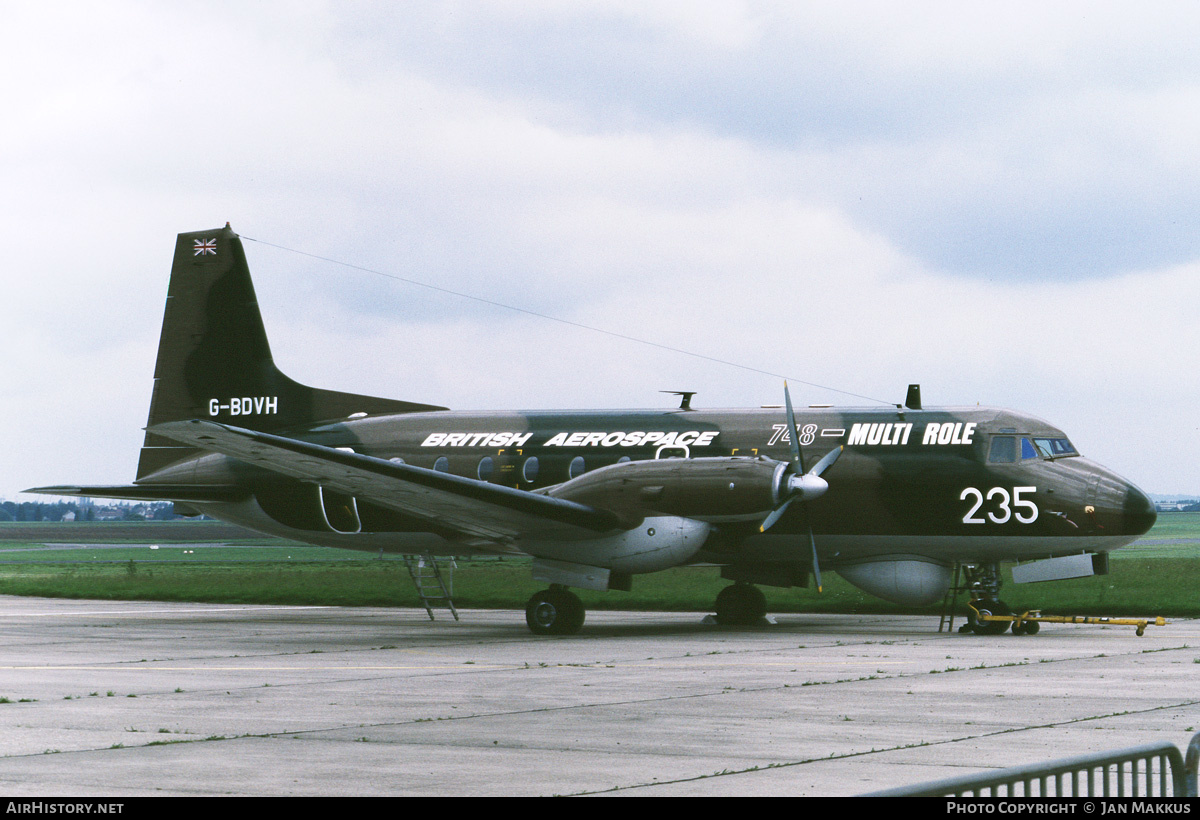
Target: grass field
{"points": [[1155, 576]]}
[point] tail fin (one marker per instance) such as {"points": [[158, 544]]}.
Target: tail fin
{"points": [[214, 361]]}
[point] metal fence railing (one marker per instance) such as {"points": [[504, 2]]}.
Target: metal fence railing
{"points": [[1152, 770]]}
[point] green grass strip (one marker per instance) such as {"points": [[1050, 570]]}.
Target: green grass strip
{"points": [[1153, 577]]}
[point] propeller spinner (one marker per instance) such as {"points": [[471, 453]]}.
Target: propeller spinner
{"points": [[799, 485]]}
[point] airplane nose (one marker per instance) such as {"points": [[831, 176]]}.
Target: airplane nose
{"points": [[1129, 510], [1138, 513]]}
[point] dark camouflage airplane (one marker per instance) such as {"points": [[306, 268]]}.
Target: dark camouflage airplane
{"points": [[893, 500]]}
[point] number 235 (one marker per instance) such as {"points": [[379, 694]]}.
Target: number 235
{"points": [[1003, 505]]}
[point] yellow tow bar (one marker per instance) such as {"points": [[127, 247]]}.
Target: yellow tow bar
{"points": [[1027, 623]]}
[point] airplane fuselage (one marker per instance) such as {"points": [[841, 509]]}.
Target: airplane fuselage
{"points": [[931, 482]]}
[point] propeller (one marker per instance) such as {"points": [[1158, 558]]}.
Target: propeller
{"points": [[799, 485]]}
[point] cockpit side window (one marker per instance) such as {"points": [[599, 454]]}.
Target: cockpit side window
{"points": [[1004, 450], [1027, 450]]}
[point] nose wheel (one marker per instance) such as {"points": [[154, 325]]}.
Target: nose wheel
{"points": [[983, 582], [980, 610]]}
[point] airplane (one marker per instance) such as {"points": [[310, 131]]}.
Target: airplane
{"points": [[891, 498]]}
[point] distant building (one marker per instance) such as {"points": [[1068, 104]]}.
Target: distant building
{"points": [[1175, 506]]}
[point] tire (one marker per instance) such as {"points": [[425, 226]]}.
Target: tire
{"points": [[554, 612], [740, 605], [992, 607]]}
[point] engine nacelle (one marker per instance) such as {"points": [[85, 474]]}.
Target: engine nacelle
{"points": [[909, 581], [710, 489]]}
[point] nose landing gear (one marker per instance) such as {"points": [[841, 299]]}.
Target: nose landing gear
{"points": [[991, 616], [983, 582]]}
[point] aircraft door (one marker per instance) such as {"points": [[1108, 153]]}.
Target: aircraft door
{"points": [[509, 467]]}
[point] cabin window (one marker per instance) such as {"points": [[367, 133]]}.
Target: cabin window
{"points": [[486, 467], [530, 470], [442, 465], [1004, 450], [578, 467]]}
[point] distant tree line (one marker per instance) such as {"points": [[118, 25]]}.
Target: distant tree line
{"points": [[85, 510]]}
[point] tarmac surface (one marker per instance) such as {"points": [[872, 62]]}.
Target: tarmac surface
{"points": [[122, 699]]}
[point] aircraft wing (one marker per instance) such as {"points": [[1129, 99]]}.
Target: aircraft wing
{"points": [[473, 508]]}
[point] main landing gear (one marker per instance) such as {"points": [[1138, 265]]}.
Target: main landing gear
{"points": [[558, 611], [554, 611], [741, 605]]}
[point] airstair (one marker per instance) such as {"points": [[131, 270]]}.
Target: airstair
{"points": [[434, 582]]}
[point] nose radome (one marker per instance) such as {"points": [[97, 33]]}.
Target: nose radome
{"points": [[1137, 514], [1124, 508]]}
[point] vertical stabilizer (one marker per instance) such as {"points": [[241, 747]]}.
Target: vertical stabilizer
{"points": [[214, 361]]}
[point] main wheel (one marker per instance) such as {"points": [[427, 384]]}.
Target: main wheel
{"points": [[554, 612], [740, 605]]}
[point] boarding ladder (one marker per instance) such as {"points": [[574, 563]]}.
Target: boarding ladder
{"points": [[434, 583]]}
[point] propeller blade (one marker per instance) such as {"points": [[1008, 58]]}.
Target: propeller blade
{"points": [[775, 515], [826, 461], [816, 565], [812, 545], [797, 459]]}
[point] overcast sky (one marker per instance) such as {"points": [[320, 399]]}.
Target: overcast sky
{"points": [[999, 201]]}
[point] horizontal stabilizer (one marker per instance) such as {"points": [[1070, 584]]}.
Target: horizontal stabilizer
{"points": [[150, 492]]}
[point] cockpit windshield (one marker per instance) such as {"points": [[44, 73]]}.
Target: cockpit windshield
{"points": [[1011, 449], [1054, 447]]}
